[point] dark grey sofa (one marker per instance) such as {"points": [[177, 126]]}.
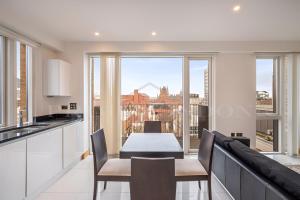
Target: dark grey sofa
{"points": [[249, 175]]}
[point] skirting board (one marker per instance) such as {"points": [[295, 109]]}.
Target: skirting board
{"points": [[85, 155]]}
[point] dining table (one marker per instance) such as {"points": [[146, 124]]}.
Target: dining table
{"points": [[153, 145]]}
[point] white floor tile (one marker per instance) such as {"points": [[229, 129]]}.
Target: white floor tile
{"points": [[77, 184]]}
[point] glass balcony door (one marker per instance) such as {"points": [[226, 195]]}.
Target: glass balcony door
{"points": [[267, 104], [151, 90], [199, 89]]}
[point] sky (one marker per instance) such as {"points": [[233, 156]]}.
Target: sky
{"points": [[97, 76], [264, 75], [136, 72]]}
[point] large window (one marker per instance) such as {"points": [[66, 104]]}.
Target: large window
{"points": [[2, 78], [151, 89], [267, 109], [199, 99], [23, 64]]}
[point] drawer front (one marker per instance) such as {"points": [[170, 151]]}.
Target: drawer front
{"points": [[44, 158], [13, 171]]}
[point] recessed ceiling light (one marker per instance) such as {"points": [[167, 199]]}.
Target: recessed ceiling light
{"points": [[96, 33], [153, 33], [236, 8]]}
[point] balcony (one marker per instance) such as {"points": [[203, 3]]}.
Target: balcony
{"points": [[171, 117]]}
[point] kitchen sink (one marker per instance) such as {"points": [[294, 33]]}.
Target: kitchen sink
{"points": [[25, 129], [37, 125], [15, 132]]}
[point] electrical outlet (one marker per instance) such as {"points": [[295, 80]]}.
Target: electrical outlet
{"points": [[73, 106], [64, 107]]}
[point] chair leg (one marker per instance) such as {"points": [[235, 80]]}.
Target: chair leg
{"points": [[199, 184], [95, 189], [105, 183], [209, 188]]}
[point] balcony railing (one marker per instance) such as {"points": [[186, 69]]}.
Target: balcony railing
{"points": [[134, 115], [171, 117]]}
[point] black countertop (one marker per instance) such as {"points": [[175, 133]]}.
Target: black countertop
{"points": [[41, 123]]}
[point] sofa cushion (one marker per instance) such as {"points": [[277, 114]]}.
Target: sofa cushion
{"points": [[222, 140], [280, 175]]}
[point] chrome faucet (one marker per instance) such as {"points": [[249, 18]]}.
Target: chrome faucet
{"points": [[20, 118]]}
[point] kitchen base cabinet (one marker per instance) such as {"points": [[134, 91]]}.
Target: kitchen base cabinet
{"points": [[44, 159], [13, 171], [72, 143]]}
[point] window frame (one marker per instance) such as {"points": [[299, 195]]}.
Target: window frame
{"points": [[277, 115], [186, 87], [155, 55], [91, 89], [2, 80], [29, 89], [276, 66], [186, 77]]}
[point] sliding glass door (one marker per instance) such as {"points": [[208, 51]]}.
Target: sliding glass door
{"points": [[174, 90], [151, 90], [267, 104], [199, 87]]}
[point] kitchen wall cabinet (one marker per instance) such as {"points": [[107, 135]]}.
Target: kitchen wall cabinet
{"points": [[57, 78], [13, 171], [44, 158]]}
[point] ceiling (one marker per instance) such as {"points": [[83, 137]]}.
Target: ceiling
{"points": [[134, 20]]}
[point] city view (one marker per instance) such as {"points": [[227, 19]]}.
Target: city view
{"points": [[266, 128], [151, 89]]}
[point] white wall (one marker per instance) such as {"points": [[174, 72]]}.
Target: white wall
{"points": [[41, 104], [48, 105], [235, 96]]}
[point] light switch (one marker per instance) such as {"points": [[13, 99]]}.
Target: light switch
{"points": [[73, 106]]}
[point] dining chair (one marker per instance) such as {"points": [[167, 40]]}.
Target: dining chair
{"points": [[152, 126], [152, 178], [198, 169], [107, 169]]}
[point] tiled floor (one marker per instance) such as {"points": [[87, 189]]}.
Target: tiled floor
{"points": [[77, 184]]}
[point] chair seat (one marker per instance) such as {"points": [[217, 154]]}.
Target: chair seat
{"points": [[115, 170], [189, 170]]}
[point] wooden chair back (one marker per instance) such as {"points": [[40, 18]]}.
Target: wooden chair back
{"points": [[99, 150], [152, 126], [206, 148], [152, 178]]}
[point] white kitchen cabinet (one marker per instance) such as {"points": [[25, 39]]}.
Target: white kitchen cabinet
{"points": [[13, 171], [57, 78], [44, 158], [72, 143]]}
